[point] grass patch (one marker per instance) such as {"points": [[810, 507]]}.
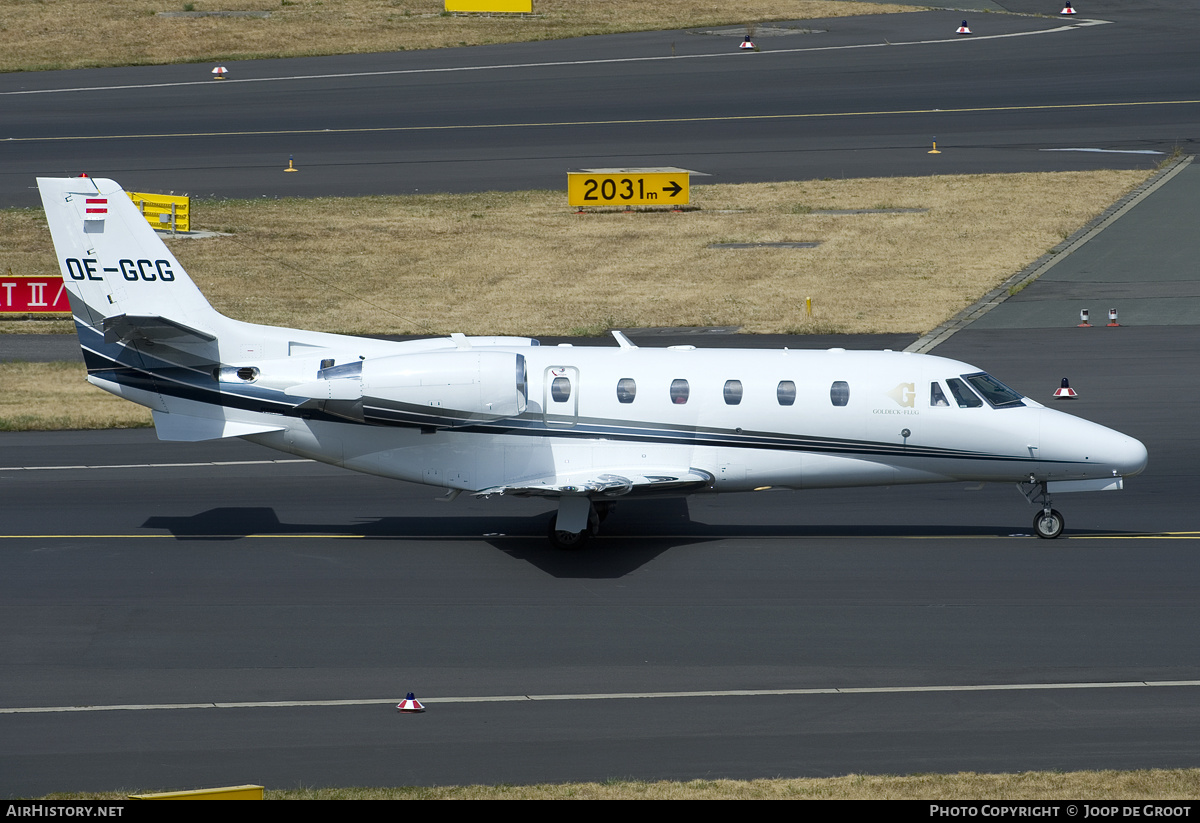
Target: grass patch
{"points": [[423, 264], [1148, 784], [23, 245], [35, 35], [47, 396]]}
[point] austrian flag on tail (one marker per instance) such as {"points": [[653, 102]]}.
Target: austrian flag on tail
{"points": [[95, 208]]}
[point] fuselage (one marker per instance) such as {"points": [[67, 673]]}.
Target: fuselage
{"points": [[748, 418]]}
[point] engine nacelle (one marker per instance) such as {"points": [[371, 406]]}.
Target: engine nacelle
{"points": [[428, 390], [444, 389]]}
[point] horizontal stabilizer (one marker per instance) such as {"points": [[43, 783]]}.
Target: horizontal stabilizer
{"points": [[125, 328], [609, 484], [190, 429]]}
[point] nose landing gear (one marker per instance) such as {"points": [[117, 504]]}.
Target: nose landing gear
{"points": [[1048, 523]]}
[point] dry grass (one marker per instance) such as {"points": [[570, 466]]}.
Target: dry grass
{"points": [[525, 264], [42, 396], [25, 249], [57, 34], [1154, 784]]}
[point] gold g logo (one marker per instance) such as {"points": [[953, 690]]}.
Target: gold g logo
{"points": [[905, 394]]}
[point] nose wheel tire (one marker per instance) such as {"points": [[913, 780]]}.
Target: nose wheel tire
{"points": [[1048, 524]]}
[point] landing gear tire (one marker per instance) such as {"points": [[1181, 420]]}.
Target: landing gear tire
{"points": [[602, 509], [1048, 524], [567, 541]]}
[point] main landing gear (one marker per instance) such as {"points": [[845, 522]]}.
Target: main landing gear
{"points": [[1048, 523], [577, 520]]}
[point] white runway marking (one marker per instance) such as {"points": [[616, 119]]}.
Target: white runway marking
{"points": [[558, 63], [1112, 151], [155, 465], [1135, 684]]}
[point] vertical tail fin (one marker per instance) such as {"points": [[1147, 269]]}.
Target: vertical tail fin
{"points": [[146, 331], [111, 260]]}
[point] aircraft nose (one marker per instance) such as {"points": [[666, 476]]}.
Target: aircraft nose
{"points": [[1125, 456], [1129, 456], [1072, 439]]}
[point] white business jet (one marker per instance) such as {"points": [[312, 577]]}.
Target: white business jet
{"points": [[587, 426]]}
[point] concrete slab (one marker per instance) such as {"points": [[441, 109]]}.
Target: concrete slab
{"points": [[1052, 314], [1145, 263], [1137, 257]]}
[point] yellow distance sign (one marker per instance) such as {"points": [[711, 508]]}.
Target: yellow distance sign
{"points": [[628, 189], [490, 6]]}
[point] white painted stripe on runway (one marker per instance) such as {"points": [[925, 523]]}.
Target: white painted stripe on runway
{"points": [[155, 465], [516, 698], [559, 63], [1112, 151], [285, 535]]}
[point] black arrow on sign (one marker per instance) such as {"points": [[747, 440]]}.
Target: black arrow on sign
{"points": [[674, 188]]}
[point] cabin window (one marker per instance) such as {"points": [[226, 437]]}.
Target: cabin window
{"points": [[993, 391], [937, 397], [785, 392], [965, 398], [733, 392], [679, 391], [626, 390], [560, 389], [839, 393]]}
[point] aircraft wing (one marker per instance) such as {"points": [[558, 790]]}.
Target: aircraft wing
{"points": [[611, 483]]}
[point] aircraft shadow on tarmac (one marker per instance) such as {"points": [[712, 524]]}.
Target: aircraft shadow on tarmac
{"points": [[635, 534], [521, 537]]}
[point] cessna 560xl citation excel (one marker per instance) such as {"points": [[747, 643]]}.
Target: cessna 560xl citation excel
{"points": [[587, 426]]}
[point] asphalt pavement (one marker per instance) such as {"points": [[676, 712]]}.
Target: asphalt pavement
{"points": [[913, 629], [843, 97]]}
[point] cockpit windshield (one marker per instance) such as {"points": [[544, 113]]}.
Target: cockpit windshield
{"points": [[964, 397], [994, 392]]}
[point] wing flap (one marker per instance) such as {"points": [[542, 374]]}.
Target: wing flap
{"points": [[608, 483]]}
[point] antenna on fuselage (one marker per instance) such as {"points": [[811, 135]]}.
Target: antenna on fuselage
{"points": [[623, 341]]}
